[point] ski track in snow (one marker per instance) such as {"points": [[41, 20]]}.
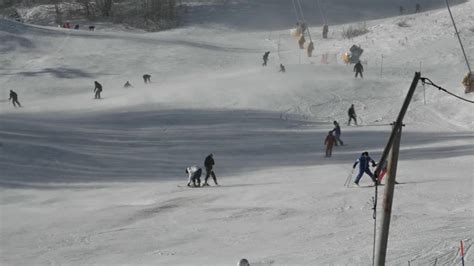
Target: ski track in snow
{"points": [[95, 182]]}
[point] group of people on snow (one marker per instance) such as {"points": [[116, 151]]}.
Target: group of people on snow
{"points": [[194, 173], [334, 136]]}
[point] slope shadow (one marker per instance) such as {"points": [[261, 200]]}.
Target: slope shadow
{"points": [[158, 145], [280, 14], [12, 42], [59, 72]]}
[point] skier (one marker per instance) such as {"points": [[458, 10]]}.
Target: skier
{"points": [[417, 8], [243, 262], [76, 27], [352, 115], [325, 31], [329, 142], [209, 164], [282, 68], [337, 132], [363, 162], [401, 9], [14, 98], [127, 85], [91, 28], [265, 58], [358, 69], [97, 89], [147, 78], [194, 174]]}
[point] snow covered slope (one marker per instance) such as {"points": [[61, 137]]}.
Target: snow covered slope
{"points": [[87, 181]]}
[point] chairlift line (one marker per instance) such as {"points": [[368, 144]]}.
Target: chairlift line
{"points": [[459, 38]]}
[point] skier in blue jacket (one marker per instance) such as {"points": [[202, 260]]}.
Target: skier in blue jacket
{"points": [[363, 162]]}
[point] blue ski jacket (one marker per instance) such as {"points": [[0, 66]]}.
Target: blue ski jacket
{"points": [[363, 162]]}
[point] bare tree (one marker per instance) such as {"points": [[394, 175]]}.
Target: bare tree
{"points": [[105, 7], [58, 11], [87, 6]]}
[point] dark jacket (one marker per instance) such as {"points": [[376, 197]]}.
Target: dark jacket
{"points": [[363, 162], [98, 87], [337, 130], [209, 162], [13, 96], [351, 112]]}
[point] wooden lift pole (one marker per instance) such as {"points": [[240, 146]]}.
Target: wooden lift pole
{"points": [[393, 147]]}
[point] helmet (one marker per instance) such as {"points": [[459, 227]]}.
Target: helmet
{"points": [[365, 153]]}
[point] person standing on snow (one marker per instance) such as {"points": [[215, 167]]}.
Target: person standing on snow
{"points": [[282, 68], [329, 142], [325, 31], [265, 58], [352, 115], [337, 133], [14, 98], [358, 69], [194, 174], [209, 164], [127, 85], [97, 89], [363, 162]]}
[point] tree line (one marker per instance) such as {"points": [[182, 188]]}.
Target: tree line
{"points": [[148, 14]]}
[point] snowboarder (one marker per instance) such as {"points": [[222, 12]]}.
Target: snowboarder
{"points": [[282, 68], [417, 8], [14, 98], [352, 115], [194, 174], [337, 133], [325, 31], [329, 142], [358, 69], [363, 162], [97, 89], [127, 85], [265, 58], [209, 164], [147, 78]]}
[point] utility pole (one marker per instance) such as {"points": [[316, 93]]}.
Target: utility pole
{"points": [[388, 194], [392, 145]]}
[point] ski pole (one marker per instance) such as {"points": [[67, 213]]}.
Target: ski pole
{"points": [[349, 177]]}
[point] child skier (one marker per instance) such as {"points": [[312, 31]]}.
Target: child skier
{"points": [[329, 142], [352, 115], [363, 162]]}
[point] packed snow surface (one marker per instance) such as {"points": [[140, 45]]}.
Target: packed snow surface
{"points": [[87, 181]]}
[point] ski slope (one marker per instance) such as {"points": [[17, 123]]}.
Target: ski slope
{"points": [[87, 181]]}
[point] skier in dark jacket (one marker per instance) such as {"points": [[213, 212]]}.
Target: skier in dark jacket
{"points": [[147, 78], [127, 85], [363, 162], [265, 58], [325, 31], [14, 98], [209, 164], [282, 68], [358, 69], [337, 133], [352, 115], [97, 89]]}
